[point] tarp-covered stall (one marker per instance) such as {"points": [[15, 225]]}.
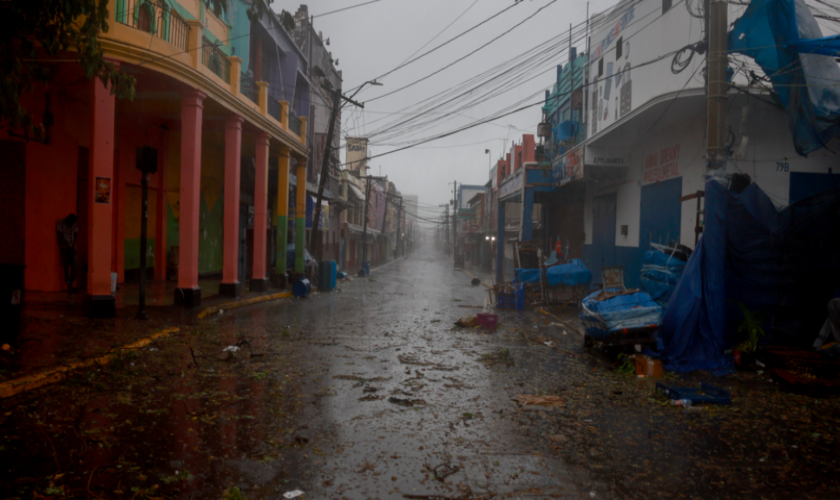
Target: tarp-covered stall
{"points": [[784, 264]]}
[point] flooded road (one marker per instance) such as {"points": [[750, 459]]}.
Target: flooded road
{"points": [[371, 392]]}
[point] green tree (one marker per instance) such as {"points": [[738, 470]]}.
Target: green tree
{"points": [[36, 34], [32, 34]]}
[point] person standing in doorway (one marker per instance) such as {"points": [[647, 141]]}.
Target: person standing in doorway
{"points": [[66, 230]]}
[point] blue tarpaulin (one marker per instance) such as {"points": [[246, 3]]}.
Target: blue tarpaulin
{"points": [[785, 40], [660, 274], [527, 275], [572, 274], [783, 264], [564, 130], [636, 310]]}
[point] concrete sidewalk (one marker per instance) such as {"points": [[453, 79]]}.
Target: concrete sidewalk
{"points": [[57, 336]]}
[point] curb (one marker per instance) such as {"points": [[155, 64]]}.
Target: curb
{"points": [[17, 386], [242, 303], [53, 375]]}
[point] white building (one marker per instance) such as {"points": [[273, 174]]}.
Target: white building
{"points": [[646, 126]]}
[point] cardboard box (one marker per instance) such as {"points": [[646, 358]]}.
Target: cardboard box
{"points": [[648, 367]]}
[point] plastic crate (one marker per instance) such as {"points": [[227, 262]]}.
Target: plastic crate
{"points": [[512, 300], [487, 321], [707, 394]]}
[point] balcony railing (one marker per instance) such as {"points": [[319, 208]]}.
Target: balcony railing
{"points": [[215, 59], [155, 17], [249, 88], [274, 108], [294, 121]]}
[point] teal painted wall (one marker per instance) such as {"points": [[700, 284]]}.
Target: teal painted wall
{"points": [[240, 40]]}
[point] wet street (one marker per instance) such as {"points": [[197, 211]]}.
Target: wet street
{"points": [[372, 392]]}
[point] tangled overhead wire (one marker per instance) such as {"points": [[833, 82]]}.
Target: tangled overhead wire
{"points": [[682, 59]]}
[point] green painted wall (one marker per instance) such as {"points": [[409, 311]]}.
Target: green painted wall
{"points": [[210, 243]]}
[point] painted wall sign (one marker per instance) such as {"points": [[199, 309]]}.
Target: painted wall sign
{"points": [[662, 165], [613, 33], [568, 167], [102, 191]]}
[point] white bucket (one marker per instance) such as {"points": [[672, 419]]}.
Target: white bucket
{"points": [[113, 283]]}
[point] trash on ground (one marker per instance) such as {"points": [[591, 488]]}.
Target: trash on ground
{"points": [[488, 321], [406, 401], [467, 322], [707, 394], [648, 367], [475, 282], [230, 348], [292, 494], [528, 400]]}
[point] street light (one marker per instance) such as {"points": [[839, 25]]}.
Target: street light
{"points": [[489, 160], [372, 82]]}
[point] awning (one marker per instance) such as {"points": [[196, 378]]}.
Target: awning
{"points": [[356, 192], [354, 228]]}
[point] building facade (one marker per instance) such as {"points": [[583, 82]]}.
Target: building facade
{"points": [[214, 115]]}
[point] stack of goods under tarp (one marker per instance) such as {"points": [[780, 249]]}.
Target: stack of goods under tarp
{"points": [[606, 314], [573, 273], [662, 268]]}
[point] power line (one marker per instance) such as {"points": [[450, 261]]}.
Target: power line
{"points": [[442, 45], [345, 8]]}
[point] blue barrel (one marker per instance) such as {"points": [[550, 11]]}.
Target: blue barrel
{"points": [[302, 288]]}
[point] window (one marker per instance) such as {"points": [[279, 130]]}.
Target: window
{"points": [[666, 6], [619, 45], [144, 19], [601, 66]]}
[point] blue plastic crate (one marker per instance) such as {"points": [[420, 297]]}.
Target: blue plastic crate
{"points": [[512, 300], [707, 394]]}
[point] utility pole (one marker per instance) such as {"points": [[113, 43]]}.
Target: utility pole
{"points": [[716, 62], [325, 163], [385, 220], [455, 225], [446, 230], [399, 226]]}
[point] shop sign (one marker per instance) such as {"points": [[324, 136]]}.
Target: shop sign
{"points": [[568, 167], [601, 157], [662, 165]]}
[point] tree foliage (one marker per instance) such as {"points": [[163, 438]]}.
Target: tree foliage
{"points": [[32, 34], [37, 35]]}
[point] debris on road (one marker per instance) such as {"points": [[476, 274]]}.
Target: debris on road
{"points": [[292, 494], [528, 400], [230, 348], [467, 322]]}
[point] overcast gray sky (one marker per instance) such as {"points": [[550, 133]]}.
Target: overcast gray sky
{"points": [[373, 39]]}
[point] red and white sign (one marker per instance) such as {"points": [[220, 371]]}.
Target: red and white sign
{"points": [[662, 165]]}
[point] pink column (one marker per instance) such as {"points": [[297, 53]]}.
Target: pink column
{"points": [[100, 188], [259, 281], [188, 294], [230, 285], [162, 206]]}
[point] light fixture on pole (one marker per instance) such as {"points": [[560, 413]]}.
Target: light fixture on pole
{"points": [[489, 160]]}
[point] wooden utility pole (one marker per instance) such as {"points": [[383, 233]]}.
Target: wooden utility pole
{"points": [[399, 226], [455, 225], [325, 163], [716, 62]]}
